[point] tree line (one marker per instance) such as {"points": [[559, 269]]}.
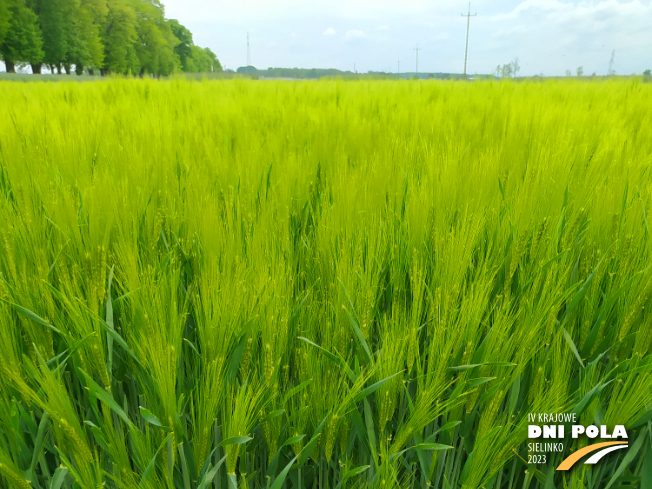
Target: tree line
{"points": [[109, 36], [297, 73], [508, 70]]}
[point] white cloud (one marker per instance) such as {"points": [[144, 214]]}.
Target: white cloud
{"points": [[329, 32], [383, 27]]}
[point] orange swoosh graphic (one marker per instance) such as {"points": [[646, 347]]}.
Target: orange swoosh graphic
{"points": [[574, 457]]}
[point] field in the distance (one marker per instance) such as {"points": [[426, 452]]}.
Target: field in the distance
{"points": [[321, 284]]}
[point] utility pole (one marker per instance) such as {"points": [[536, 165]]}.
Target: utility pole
{"points": [[611, 71], [417, 49], [468, 21], [248, 52], [398, 68]]}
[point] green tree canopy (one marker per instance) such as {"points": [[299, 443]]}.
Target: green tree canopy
{"points": [[183, 49], [5, 18], [20, 36], [119, 37], [115, 36], [155, 45]]}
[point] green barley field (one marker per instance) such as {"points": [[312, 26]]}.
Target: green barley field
{"points": [[330, 284]]}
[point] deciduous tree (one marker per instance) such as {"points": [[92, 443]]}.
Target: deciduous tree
{"points": [[184, 47], [21, 40], [155, 45], [516, 67], [119, 36]]}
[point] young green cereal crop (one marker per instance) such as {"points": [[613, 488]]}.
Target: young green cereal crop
{"points": [[321, 284]]}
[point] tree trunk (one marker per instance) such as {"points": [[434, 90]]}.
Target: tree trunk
{"points": [[36, 68], [91, 72], [66, 67], [104, 71], [58, 69], [9, 65], [79, 69]]}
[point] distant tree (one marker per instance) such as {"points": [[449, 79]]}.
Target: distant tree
{"points": [[647, 72], [193, 58], [216, 66], [74, 26], [203, 61], [86, 48], [71, 33], [115, 36], [568, 72], [55, 18], [184, 46], [155, 45], [497, 72], [119, 36], [247, 70], [296, 73], [516, 67], [5, 20], [506, 71], [21, 40], [196, 62], [580, 71]]}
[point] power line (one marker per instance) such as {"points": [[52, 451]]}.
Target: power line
{"points": [[417, 49], [468, 21]]}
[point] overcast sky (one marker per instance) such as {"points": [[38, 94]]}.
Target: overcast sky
{"points": [[548, 36]]}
